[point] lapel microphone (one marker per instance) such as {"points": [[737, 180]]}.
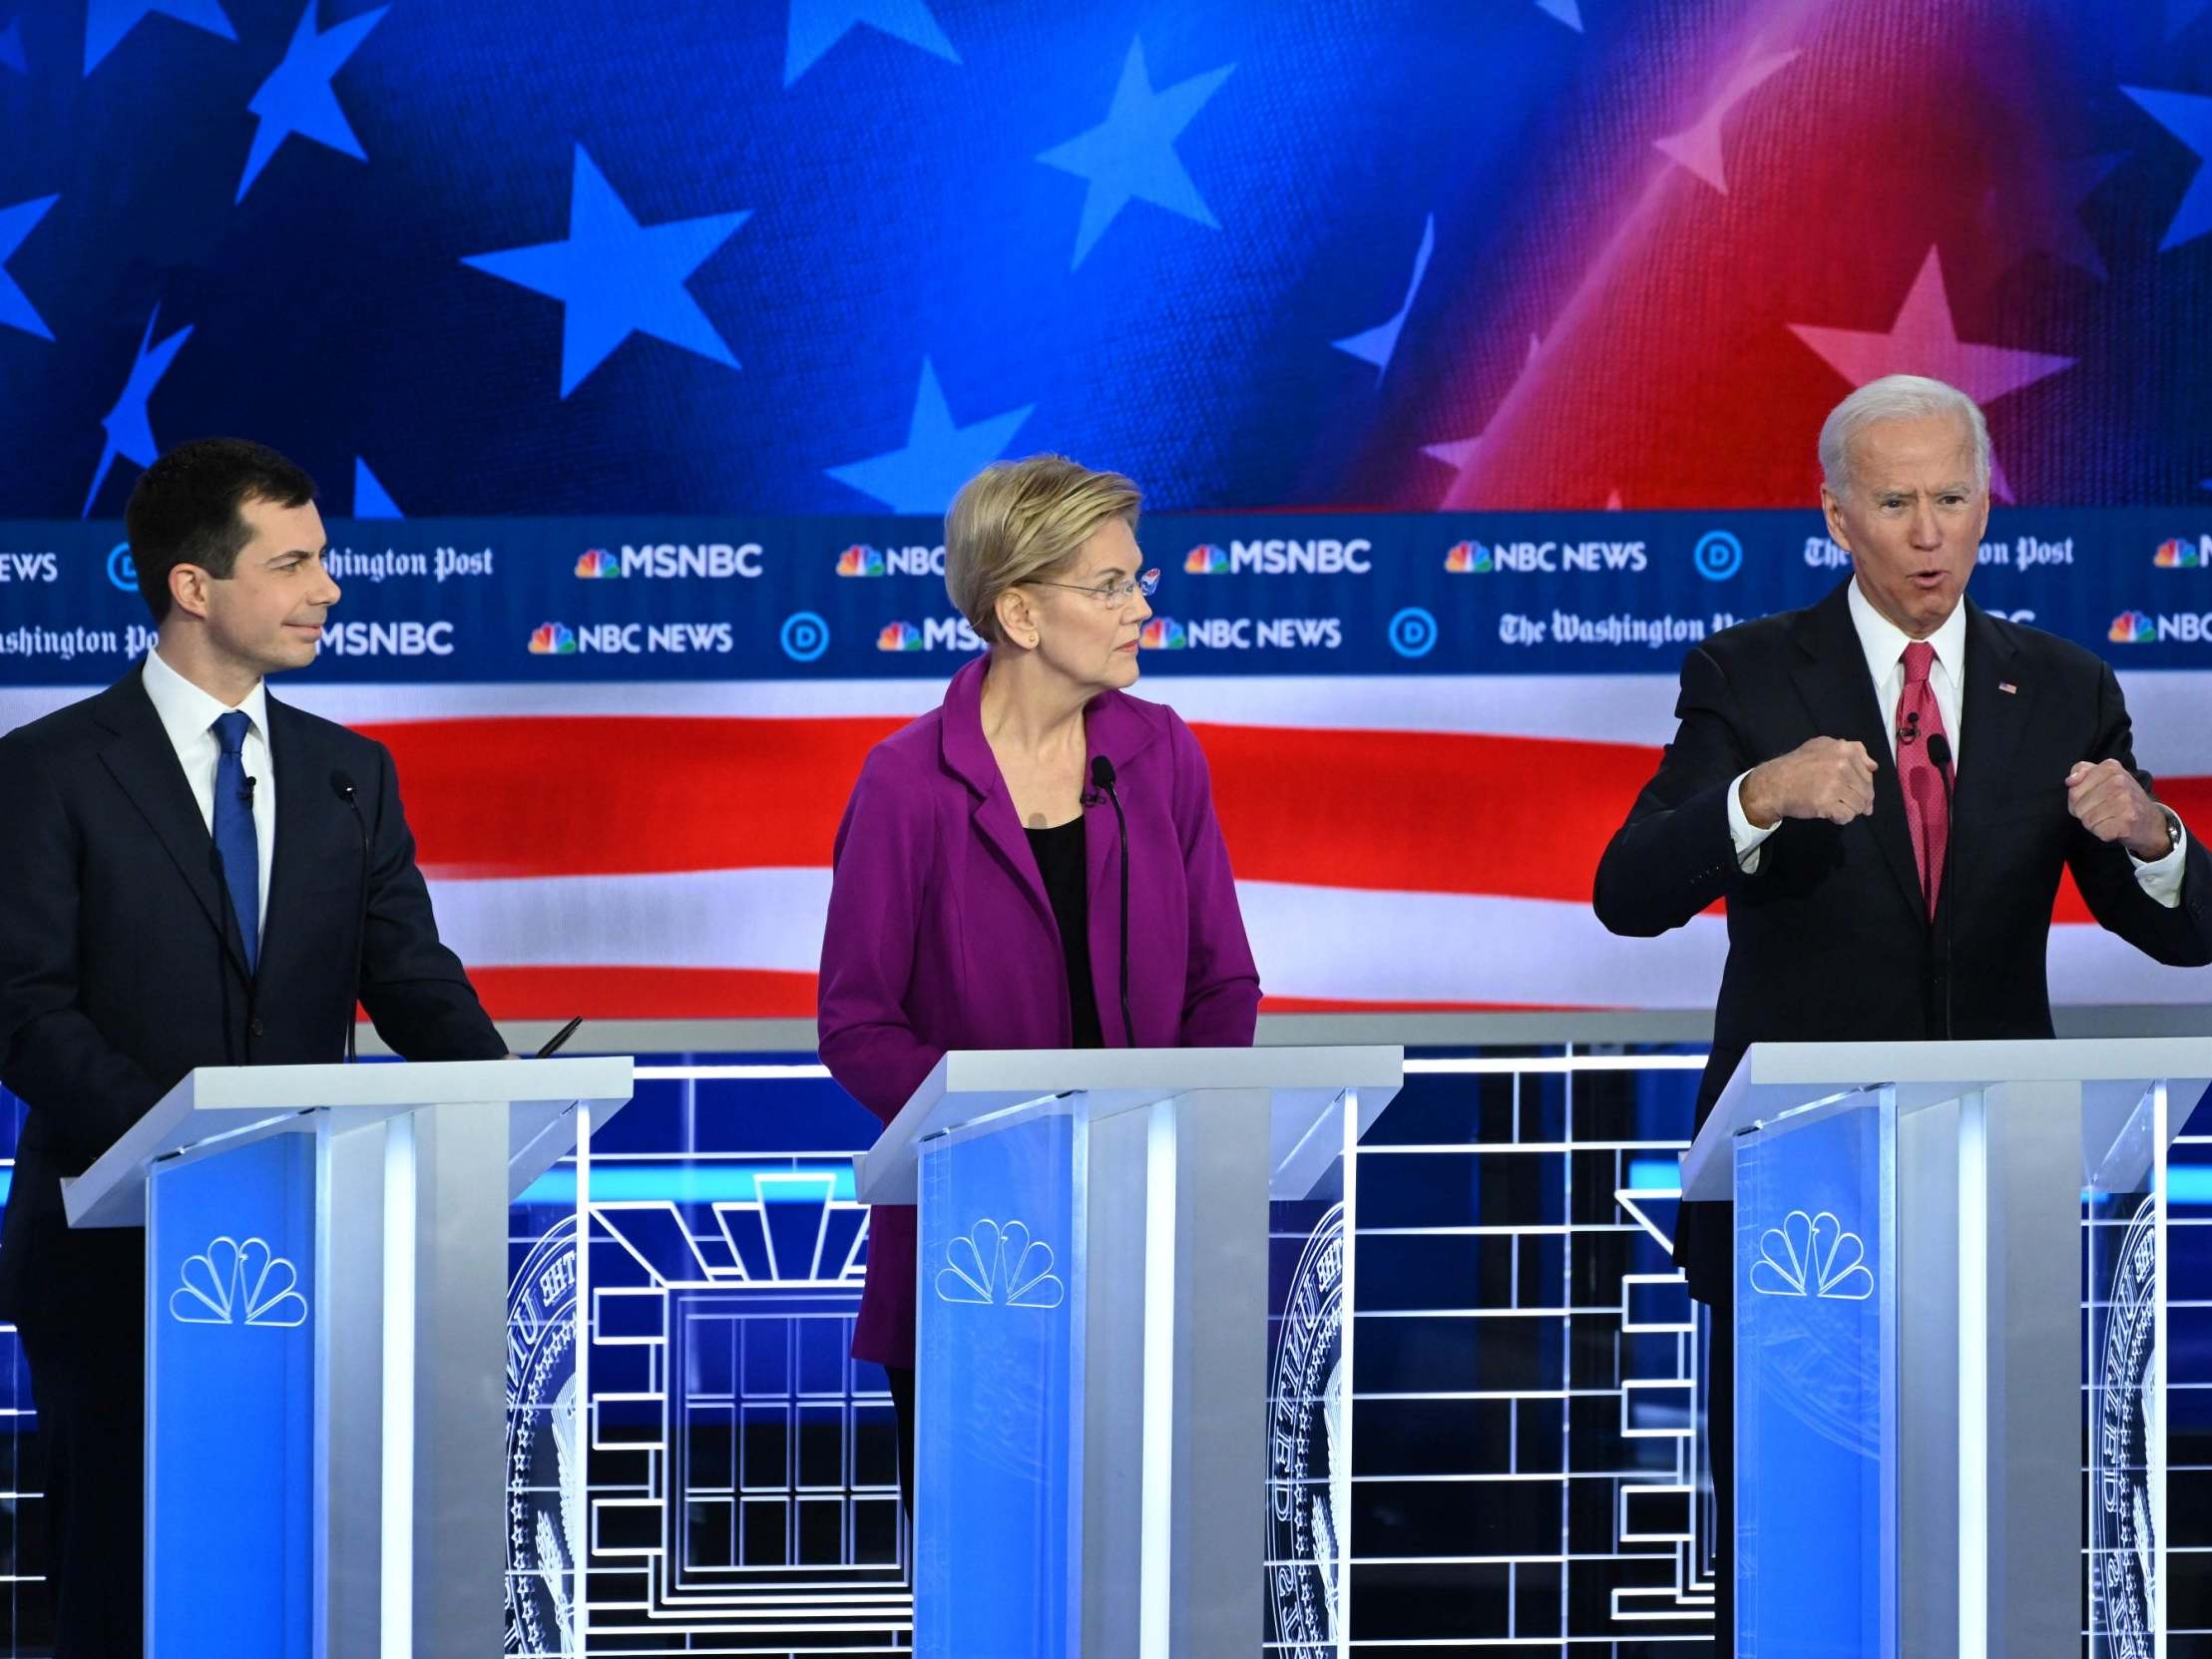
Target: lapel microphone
{"points": [[1938, 751], [341, 785], [1102, 781]]}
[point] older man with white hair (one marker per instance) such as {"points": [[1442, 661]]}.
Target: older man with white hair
{"points": [[1885, 787]]}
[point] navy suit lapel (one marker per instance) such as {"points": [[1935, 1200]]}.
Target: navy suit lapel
{"points": [[297, 779], [143, 765], [1831, 675], [1998, 703]]}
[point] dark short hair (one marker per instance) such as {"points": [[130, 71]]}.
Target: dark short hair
{"points": [[185, 508]]}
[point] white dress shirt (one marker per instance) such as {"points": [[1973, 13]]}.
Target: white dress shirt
{"points": [[1884, 644], [189, 715]]}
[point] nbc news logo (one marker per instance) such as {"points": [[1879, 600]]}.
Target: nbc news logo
{"points": [[553, 639], [1164, 634], [2138, 627], [2182, 553], [861, 560], [1468, 559]]}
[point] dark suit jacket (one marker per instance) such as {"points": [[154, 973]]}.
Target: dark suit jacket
{"points": [[1829, 939], [121, 965]]}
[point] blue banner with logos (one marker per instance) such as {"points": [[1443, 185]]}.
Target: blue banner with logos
{"points": [[693, 599]]}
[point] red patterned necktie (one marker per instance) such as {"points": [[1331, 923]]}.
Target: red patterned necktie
{"points": [[1926, 804]]}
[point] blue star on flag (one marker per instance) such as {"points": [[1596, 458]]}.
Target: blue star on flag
{"points": [[17, 222], [297, 96], [129, 434], [1379, 344], [2189, 118], [817, 25], [107, 20], [939, 456], [1130, 156], [617, 278]]}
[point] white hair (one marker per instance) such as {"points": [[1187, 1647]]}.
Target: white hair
{"points": [[1897, 397]]}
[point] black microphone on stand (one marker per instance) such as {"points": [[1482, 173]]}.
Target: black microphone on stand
{"points": [[1938, 751], [1102, 779], [341, 785]]}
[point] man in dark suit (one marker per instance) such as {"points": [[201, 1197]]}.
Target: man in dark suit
{"points": [[1875, 893], [181, 869]]}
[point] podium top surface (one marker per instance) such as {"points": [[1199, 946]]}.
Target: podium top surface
{"points": [[219, 1103], [970, 1083], [1776, 1077]]}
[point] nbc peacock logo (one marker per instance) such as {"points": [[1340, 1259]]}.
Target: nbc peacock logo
{"points": [[2178, 553], [899, 636], [597, 564], [553, 639], [1467, 559], [1164, 634], [2133, 627], [1205, 560], [860, 560]]}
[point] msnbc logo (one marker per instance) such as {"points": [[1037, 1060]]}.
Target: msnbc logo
{"points": [[2179, 554], [861, 560], [553, 639], [2131, 628], [899, 636], [1164, 634], [598, 563], [1205, 560], [1467, 559]]}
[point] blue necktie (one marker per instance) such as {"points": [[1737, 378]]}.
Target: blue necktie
{"points": [[236, 842]]}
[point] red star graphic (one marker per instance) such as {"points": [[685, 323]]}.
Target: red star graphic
{"points": [[1924, 340]]}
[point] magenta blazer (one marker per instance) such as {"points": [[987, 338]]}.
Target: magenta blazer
{"points": [[940, 935]]}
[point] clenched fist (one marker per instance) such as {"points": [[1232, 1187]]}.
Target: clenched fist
{"points": [[1828, 778], [2112, 806]]}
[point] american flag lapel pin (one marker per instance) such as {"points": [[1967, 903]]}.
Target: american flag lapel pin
{"points": [[2008, 688]]}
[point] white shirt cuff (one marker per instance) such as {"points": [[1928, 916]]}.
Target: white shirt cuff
{"points": [[1748, 836], [2161, 876]]}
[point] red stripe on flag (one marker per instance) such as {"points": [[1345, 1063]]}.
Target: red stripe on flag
{"points": [[1383, 811], [644, 992]]}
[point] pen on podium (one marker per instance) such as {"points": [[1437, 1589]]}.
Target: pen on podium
{"points": [[558, 1037]]}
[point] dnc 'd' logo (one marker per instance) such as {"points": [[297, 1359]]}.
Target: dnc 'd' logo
{"points": [[2131, 628], [1468, 559], [1308, 1469], [545, 1452], [553, 639], [1164, 634]]}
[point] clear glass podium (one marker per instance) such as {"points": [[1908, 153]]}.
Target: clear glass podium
{"points": [[1954, 1269], [1094, 1403], [327, 1345]]}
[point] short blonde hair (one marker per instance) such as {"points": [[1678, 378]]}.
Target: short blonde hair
{"points": [[1016, 521]]}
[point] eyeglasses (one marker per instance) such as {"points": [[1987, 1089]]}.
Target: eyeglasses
{"points": [[1113, 592]]}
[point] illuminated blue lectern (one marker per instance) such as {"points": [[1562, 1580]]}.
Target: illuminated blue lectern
{"points": [[325, 1359], [1921, 1230], [1092, 1372]]}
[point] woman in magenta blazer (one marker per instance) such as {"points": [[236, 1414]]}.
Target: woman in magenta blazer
{"points": [[977, 895]]}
